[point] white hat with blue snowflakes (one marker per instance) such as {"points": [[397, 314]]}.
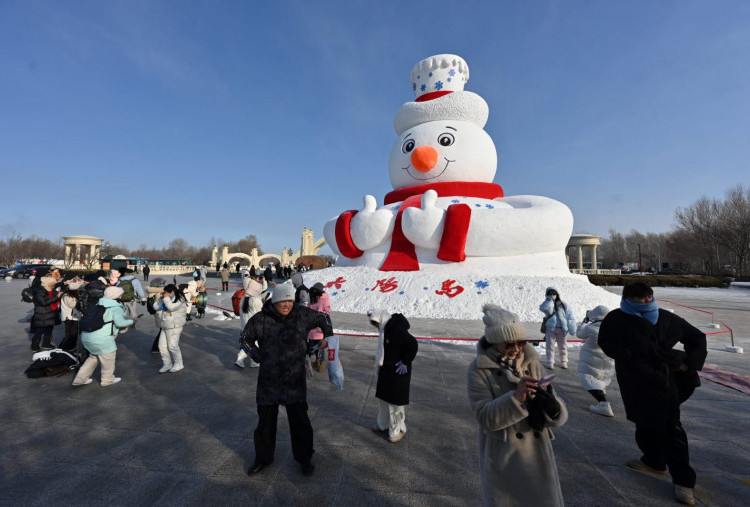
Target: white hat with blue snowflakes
{"points": [[438, 84]]}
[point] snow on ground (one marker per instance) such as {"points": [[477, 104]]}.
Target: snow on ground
{"points": [[454, 291]]}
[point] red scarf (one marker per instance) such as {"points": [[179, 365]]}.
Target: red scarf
{"points": [[55, 305]]}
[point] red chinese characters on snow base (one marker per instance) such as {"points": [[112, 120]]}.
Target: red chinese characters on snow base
{"points": [[449, 288]]}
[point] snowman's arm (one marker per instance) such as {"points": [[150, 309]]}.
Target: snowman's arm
{"points": [[533, 224], [354, 232]]}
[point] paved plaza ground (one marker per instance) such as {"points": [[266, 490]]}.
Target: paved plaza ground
{"points": [[186, 438]]}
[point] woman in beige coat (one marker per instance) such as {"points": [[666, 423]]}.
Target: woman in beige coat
{"points": [[514, 413]]}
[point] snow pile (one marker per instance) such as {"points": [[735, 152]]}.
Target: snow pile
{"points": [[456, 291]]}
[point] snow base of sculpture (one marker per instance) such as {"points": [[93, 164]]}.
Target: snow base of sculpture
{"points": [[459, 290]]}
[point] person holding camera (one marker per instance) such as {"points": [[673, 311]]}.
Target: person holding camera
{"points": [[514, 407], [655, 378], [277, 339]]}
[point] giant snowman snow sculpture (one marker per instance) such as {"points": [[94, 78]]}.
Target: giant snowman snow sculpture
{"points": [[446, 240]]}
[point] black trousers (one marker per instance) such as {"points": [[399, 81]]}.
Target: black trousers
{"points": [[300, 431], [225, 286], [666, 445]]}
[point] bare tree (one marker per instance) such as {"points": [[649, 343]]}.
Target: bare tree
{"points": [[733, 224], [700, 219]]}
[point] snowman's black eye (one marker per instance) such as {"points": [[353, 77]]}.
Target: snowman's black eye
{"points": [[407, 146], [446, 139]]}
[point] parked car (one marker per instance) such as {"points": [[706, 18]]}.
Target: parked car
{"points": [[24, 270]]}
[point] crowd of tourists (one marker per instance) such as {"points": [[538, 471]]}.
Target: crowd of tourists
{"points": [[285, 327]]}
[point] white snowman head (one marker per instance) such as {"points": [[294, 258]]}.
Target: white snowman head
{"points": [[441, 135], [439, 151]]}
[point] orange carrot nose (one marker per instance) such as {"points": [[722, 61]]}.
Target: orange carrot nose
{"points": [[424, 158]]}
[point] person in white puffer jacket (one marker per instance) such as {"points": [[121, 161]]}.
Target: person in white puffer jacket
{"points": [[171, 312], [595, 368], [251, 304]]}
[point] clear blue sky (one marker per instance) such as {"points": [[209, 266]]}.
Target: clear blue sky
{"points": [[144, 121]]}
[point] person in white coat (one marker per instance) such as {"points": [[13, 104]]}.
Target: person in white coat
{"points": [[251, 304], [558, 322], [595, 368], [170, 318]]}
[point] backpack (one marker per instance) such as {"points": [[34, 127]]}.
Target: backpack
{"points": [[128, 293], [236, 300], [27, 295], [93, 319]]}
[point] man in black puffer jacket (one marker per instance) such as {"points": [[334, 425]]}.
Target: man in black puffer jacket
{"points": [[46, 313], [655, 378], [276, 337]]}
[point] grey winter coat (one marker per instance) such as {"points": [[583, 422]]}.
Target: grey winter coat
{"points": [[595, 368], [280, 345], [517, 463]]}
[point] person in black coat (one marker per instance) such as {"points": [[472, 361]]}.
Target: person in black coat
{"points": [[276, 337], [46, 313], [396, 350], [655, 378]]}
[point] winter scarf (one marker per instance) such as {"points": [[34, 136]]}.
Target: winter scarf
{"points": [[648, 311]]}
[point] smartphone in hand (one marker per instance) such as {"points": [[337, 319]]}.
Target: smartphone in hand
{"points": [[545, 381]]}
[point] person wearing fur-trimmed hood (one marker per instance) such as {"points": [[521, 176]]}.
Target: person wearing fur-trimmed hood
{"points": [[595, 368], [396, 350], [558, 322], [516, 459]]}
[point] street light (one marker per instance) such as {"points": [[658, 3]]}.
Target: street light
{"points": [[639, 256]]}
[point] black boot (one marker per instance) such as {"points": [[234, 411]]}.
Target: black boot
{"points": [[155, 345], [35, 344], [47, 343]]}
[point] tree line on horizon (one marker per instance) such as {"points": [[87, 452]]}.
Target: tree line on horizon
{"points": [[710, 236]]}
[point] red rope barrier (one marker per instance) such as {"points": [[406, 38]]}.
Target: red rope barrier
{"points": [[728, 329]]}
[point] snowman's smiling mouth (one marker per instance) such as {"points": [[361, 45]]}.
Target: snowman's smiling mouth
{"points": [[429, 175]]}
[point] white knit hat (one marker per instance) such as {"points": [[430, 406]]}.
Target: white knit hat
{"points": [[502, 326], [113, 292]]}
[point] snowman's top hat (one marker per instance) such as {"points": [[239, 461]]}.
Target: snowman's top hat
{"points": [[438, 83]]}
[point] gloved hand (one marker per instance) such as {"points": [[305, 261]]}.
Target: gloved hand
{"points": [[401, 368], [545, 400]]}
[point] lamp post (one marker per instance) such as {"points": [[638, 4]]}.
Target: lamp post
{"points": [[639, 256]]}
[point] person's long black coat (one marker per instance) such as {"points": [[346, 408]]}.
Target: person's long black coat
{"points": [[398, 345], [281, 345], [646, 363], [44, 315]]}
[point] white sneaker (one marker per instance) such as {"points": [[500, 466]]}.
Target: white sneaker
{"points": [[115, 381], [602, 408], [84, 383], [175, 369], [165, 368], [564, 366], [550, 366], [253, 364], [397, 437]]}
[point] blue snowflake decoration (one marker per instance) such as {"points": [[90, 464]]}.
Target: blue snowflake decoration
{"points": [[455, 201], [343, 290], [482, 284], [478, 205], [429, 75], [425, 288], [452, 72], [439, 85], [335, 293], [449, 80], [489, 206], [367, 288], [401, 293], [414, 86], [423, 87]]}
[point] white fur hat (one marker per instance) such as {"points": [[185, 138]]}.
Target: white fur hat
{"points": [[501, 326], [598, 313]]}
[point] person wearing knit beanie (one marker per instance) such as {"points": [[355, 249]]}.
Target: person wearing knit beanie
{"points": [[113, 292], [512, 408]]}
